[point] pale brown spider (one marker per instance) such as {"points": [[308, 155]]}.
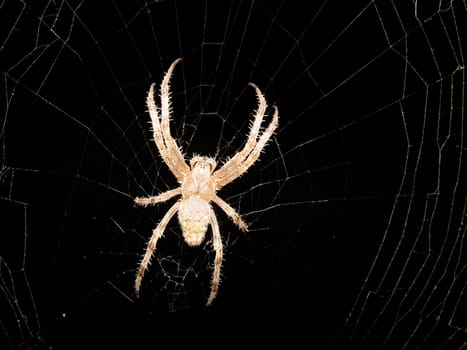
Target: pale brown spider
{"points": [[198, 181]]}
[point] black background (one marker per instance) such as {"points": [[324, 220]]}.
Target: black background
{"points": [[356, 225]]}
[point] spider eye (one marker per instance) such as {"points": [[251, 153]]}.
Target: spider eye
{"points": [[203, 162], [212, 164]]}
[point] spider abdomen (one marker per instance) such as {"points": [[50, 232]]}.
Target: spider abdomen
{"points": [[193, 215]]}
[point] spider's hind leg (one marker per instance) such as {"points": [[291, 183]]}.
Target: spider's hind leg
{"points": [[151, 247], [217, 244]]}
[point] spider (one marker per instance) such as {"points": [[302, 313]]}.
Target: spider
{"points": [[199, 181]]}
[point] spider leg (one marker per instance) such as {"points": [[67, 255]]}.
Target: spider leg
{"points": [[173, 150], [157, 233], [237, 159], [253, 155], [240, 163], [230, 212], [159, 138], [217, 244], [145, 201]]}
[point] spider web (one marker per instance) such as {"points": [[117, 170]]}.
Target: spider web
{"points": [[356, 207]]}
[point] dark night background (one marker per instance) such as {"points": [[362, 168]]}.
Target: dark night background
{"points": [[356, 207]]}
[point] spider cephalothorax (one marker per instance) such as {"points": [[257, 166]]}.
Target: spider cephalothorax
{"points": [[199, 181]]}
